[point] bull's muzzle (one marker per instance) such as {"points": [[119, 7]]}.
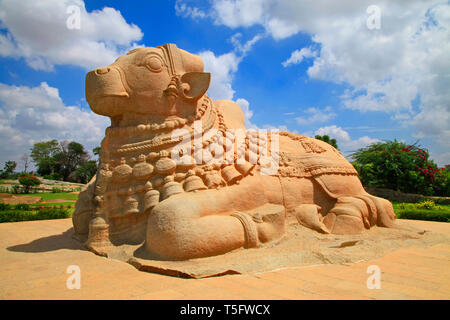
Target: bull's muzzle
{"points": [[103, 88], [104, 82]]}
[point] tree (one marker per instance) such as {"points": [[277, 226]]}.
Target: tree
{"points": [[85, 172], [8, 169], [43, 154], [395, 165], [327, 139], [59, 160], [70, 157], [96, 151], [25, 159], [28, 181]]}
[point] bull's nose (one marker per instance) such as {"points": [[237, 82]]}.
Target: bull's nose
{"points": [[104, 82], [102, 70]]}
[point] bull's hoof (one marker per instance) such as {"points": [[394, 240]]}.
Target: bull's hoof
{"points": [[308, 215]]}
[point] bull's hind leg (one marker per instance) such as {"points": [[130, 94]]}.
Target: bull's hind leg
{"points": [[355, 209], [384, 216], [354, 214]]}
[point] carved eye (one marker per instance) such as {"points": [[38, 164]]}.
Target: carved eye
{"points": [[154, 64]]}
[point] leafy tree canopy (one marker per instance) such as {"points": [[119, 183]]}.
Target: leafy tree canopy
{"points": [[8, 169], [62, 159]]}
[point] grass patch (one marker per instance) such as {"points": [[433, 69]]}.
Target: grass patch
{"points": [[426, 210], [52, 196], [30, 215]]}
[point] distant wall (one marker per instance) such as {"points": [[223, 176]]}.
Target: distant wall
{"points": [[398, 196]]}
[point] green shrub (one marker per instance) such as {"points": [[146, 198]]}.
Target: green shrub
{"points": [[397, 166], [427, 204], [46, 214], [438, 201], [22, 206], [424, 215], [42, 214], [53, 176], [4, 206], [29, 181]]}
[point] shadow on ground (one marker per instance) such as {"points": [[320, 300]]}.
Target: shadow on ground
{"points": [[50, 243]]}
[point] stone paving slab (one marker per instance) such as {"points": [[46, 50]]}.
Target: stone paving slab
{"points": [[35, 255]]}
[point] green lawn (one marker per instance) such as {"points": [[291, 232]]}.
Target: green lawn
{"points": [[52, 196]]}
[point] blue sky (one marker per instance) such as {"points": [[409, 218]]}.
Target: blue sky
{"points": [[359, 71]]}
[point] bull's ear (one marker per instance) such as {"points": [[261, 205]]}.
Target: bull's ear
{"points": [[195, 84]]}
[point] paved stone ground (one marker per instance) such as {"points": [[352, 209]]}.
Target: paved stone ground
{"points": [[34, 257]]}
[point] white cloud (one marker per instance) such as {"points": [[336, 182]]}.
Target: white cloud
{"points": [[345, 143], [238, 12], [315, 115], [441, 159], [243, 49], [38, 32], [222, 69], [298, 55], [182, 9], [386, 69], [32, 114], [280, 29], [245, 106], [433, 122]]}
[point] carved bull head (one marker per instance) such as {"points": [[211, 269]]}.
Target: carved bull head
{"points": [[157, 82]]}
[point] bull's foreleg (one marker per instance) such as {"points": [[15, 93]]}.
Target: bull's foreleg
{"points": [[212, 222], [177, 229]]}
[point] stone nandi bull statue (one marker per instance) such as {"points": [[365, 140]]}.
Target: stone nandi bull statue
{"points": [[149, 190]]}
